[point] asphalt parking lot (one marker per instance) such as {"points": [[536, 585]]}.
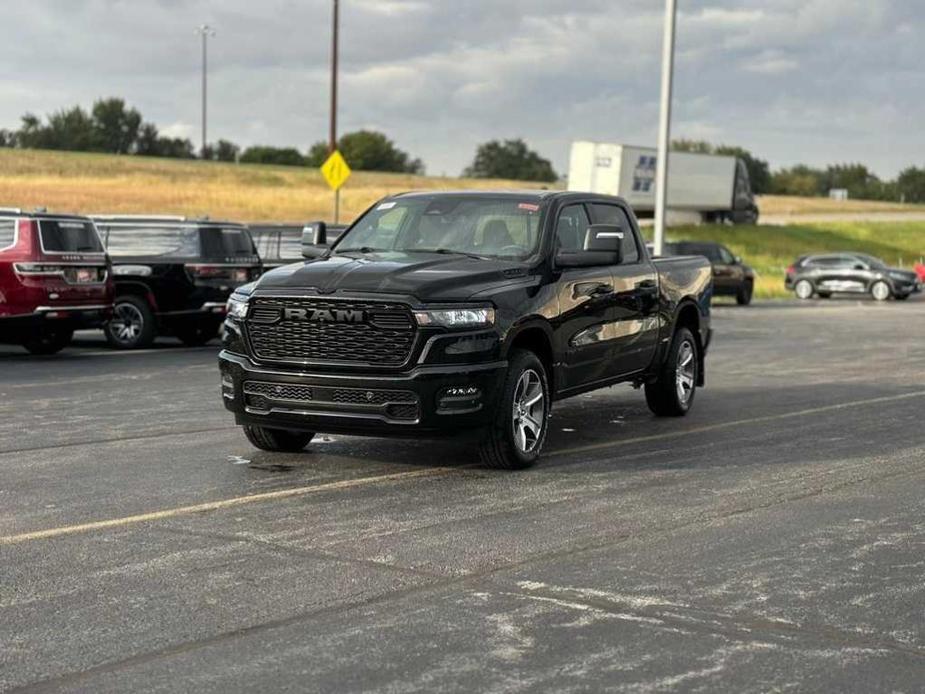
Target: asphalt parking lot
{"points": [[774, 539]]}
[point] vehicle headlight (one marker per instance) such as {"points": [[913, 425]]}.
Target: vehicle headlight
{"points": [[237, 306], [457, 317]]}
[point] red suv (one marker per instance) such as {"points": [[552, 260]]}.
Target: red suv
{"points": [[54, 279]]}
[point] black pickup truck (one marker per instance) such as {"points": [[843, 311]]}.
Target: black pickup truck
{"points": [[465, 313]]}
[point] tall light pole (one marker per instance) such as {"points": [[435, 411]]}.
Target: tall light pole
{"points": [[332, 139], [664, 126], [205, 31]]}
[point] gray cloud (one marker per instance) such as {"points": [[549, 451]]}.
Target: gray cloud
{"points": [[795, 80]]}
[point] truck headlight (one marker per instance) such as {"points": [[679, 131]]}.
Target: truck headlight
{"points": [[457, 317], [237, 306]]}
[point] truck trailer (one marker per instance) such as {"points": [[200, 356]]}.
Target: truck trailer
{"points": [[701, 187]]}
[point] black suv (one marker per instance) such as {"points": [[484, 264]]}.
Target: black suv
{"points": [[852, 273], [731, 277], [281, 244], [173, 276]]}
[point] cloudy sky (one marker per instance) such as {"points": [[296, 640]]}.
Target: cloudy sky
{"points": [[814, 81]]}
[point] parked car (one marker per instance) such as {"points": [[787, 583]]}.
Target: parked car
{"points": [[468, 313], [731, 277], [54, 279], [173, 276], [852, 273], [281, 244]]}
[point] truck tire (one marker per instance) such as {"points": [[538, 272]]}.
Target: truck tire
{"points": [[49, 342], [744, 295], [672, 394], [132, 325], [277, 440], [516, 438]]}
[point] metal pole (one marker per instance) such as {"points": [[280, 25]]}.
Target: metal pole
{"points": [[205, 31], [664, 126], [332, 141]]}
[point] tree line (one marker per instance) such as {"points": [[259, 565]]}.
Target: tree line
{"points": [[807, 181]]}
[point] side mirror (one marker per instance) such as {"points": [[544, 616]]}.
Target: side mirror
{"points": [[738, 260], [603, 246], [314, 240]]}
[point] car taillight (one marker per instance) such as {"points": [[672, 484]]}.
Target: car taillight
{"points": [[38, 270], [219, 272], [790, 269]]}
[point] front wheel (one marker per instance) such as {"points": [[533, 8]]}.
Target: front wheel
{"points": [[880, 290], [277, 440], [516, 438], [672, 394], [132, 324], [49, 342]]}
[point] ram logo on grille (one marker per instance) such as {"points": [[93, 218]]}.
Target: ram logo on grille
{"points": [[336, 315]]}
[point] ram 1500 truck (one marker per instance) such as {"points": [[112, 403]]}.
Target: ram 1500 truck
{"points": [[470, 313]]}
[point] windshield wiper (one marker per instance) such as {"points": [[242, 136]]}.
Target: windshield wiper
{"points": [[360, 249], [446, 251]]}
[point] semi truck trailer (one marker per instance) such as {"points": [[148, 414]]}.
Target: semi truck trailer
{"points": [[701, 187]]}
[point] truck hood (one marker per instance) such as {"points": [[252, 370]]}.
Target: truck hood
{"points": [[425, 276]]}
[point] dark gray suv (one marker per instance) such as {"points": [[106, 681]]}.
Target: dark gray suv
{"points": [[851, 273]]}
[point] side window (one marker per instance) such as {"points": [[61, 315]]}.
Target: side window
{"points": [[726, 256], [7, 233], [571, 228], [611, 214]]}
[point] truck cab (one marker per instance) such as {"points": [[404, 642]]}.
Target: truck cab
{"points": [[54, 279], [464, 314]]}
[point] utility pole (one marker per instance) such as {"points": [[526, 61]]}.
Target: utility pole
{"points": [[205, 31], [332, 140], [664, 126]]}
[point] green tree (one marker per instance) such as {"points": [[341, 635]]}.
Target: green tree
{"points": [[911, 184], [147, 142], [511, 159], [226, 151], [71, 129], [286, 156], [798, 180], [367, 150], [116, 127]]}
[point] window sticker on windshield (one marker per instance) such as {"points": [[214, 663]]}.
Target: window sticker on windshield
{"points": [[529, 206], [386, 206]]}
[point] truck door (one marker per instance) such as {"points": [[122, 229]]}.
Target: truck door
{"points": [[634, 312], [585, 307]]}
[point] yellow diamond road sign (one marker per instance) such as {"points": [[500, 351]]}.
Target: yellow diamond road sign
{"points": [[335, 170]]}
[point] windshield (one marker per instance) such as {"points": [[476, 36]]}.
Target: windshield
{"points": [[66, 236], [492, 226]]}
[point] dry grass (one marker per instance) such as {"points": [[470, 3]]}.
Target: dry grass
{"points": [[774, 205], [100, 183]]}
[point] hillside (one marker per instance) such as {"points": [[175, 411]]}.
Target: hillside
{"points": [[104, 183]]}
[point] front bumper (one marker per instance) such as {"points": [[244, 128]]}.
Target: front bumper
{"points": [[425, 401]]}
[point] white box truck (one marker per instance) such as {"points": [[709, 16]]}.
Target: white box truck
{"points": [[701, 187]]}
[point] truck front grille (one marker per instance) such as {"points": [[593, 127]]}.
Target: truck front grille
{"points": [[317, 330], [401, 405]]}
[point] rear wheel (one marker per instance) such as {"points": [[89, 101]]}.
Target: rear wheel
{"points": [[803, 289], [516, 438], [49, 341], [198, 335], [673, 393], [131, 325], [880, 290], [277, 440], [744, 295]]}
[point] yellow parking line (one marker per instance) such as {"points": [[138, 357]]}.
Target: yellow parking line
{"points": [[221, 504], [736, 423], [426, 472]]}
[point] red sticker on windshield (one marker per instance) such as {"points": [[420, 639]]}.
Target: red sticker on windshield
{"points": [[529, 206]]}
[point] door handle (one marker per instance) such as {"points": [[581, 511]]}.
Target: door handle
{"points": [[591, 289], [647, 288]]}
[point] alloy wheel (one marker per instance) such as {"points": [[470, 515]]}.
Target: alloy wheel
{"points": [[529, 411], [127, 323], [686, 372]]}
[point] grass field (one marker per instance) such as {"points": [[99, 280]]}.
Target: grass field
{"points": [[770, 249], [88, 183]]}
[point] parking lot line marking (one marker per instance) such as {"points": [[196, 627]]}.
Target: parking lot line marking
{"points": [[737, 422], [221, 504]]}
